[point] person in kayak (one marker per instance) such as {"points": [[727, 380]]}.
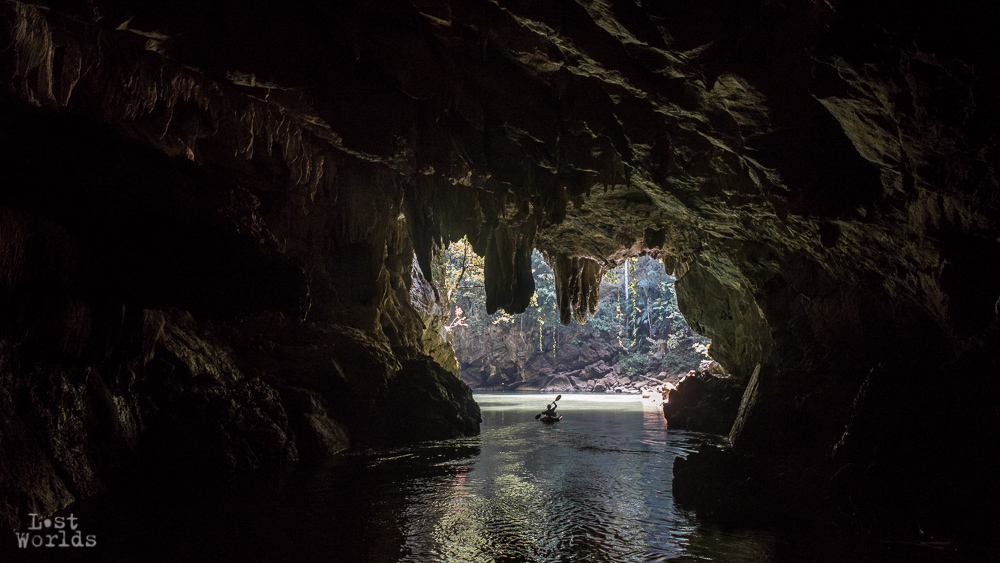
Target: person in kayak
{"points": [[550, 410]]}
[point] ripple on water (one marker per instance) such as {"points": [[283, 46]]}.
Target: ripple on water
{"points": [[595, 487], [592, 488]]}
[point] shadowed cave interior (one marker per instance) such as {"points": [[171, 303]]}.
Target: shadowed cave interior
{"points": [[210, 211]]}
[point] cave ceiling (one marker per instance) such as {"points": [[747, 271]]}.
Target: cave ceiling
{"points": [[805, 168]]}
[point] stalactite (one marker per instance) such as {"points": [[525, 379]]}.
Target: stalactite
{"points": [[508, 277], [669, 263], [498, 270], [524, 279], [578, 287]]}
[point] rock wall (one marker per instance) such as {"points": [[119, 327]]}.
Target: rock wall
{"points": [[196, 280], [518, 358], [704, 402]]}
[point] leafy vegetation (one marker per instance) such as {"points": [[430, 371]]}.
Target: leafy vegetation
{"points": [[637, 317]]}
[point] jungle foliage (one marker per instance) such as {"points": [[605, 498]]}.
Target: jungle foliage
{"points": [[637, 315]]}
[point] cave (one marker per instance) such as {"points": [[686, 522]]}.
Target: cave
{"points": [[222, 227]]}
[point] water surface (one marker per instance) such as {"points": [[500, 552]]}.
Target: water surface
{"points": [[595, 487]]}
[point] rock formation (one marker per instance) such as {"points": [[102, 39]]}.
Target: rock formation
{"points": [[210, 212], [510, 359], [704, 402]]}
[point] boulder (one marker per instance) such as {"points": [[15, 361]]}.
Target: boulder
{"points": [[540, 364], [319, 436], [704, 403], [594, 371], [558, 383], [711, 367], [426, 402]]}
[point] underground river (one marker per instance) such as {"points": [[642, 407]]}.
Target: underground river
{"points": [[594, 487]]}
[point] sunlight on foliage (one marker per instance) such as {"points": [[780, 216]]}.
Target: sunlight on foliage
{"points": [[637, 312], [463, 270]]}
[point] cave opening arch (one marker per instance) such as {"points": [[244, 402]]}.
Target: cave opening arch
{"points": [[636, 337]]}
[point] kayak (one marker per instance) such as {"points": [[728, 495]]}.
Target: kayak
{"points": [[548, 418]]}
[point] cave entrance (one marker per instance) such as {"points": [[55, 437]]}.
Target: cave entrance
{"points": [[637, 339]]}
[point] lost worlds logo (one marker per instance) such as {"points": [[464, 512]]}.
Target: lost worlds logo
{"points": [[59, 531]]}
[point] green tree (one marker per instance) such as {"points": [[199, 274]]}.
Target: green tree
{"points": [[637, 314]]}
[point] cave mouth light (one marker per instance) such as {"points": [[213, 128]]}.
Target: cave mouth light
{"points": [[637, 338]]}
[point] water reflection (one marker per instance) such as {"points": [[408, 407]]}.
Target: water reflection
{"points": [[594, 487]]}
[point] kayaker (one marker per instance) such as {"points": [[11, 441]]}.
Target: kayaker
{"points": [[550, 410]]}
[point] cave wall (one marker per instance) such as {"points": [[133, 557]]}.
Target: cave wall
{"points": [[819, 176], [196, 279]]}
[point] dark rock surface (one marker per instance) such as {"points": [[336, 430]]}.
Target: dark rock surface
{"points": [[189, 284], [704, 402], [819, 176]]}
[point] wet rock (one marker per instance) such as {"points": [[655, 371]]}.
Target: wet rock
{"points": [[703, 402], [424, 402], [318, 435], [201, 411]]}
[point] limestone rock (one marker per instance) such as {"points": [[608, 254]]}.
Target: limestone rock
{"points": [[704, 403], [424, 402], [201, 411], [318, 435], [436, 339]]}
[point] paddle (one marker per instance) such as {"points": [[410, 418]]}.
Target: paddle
{"points": [[539, 415]]}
